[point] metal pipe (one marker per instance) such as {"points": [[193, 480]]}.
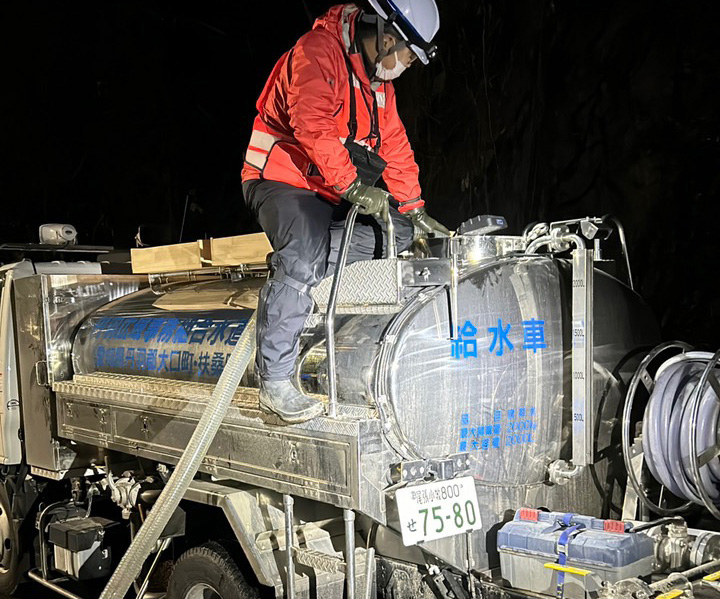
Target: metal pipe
{"points": [[538, 243], [678, 578], [470, 564], [390, 232], [288, 503], [547, 239], [33, 574], [659, 522], [452, 316], [332, 305], [369, 572], [349, 517], [165, 544], [623, 246]]}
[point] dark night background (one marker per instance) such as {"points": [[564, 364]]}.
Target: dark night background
{"points": [[115, 113]]}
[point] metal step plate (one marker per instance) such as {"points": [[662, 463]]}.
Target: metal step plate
{"points": [[367, 287]]}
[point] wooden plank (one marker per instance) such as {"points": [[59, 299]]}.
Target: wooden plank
{"points": [[167, 258], [240, 249], [220, 251]]}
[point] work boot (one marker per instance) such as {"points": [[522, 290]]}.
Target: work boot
{"points": [[283, 399]]}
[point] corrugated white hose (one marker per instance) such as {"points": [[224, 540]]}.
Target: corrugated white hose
{"points": [[149, 533]]}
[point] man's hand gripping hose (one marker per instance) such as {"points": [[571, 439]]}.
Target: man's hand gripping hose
{"points": [[370, 200], [149, 533], [375, 201]]}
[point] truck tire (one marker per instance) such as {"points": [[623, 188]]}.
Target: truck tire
{"points": [[9, 546], [208, 572]]}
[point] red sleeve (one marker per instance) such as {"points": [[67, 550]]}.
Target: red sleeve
{"points": [[313, 99], [401, 174]]}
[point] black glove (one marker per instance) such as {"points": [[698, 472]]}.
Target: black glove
{"points": [[372, 200], [422, 221]]}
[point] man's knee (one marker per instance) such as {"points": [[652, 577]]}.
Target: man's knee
{"points": [[303, 260], [404, 232]]}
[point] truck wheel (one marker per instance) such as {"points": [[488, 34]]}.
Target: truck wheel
{"points": [[208, 572], [9, 547]]}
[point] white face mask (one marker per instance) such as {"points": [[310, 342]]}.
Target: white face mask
{"points": [[389, 74]]}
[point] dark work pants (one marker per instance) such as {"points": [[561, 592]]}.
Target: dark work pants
{"points": [[305, 232]]}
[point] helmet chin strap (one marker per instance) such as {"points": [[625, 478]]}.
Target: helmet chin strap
{"points": [[382, 53]]}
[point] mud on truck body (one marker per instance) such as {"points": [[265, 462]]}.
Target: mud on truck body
{"points": [[479, 436]]}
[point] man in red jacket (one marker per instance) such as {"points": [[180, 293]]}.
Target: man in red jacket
{"points": [[327, 129]]}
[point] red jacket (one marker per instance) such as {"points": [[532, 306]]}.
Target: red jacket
{"points": [[303, 115]]}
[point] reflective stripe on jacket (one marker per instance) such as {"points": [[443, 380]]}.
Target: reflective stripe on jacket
{"points": [[303, 115]]}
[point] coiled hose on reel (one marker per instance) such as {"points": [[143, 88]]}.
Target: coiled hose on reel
{"points": [[149, 533], [681, 428]]}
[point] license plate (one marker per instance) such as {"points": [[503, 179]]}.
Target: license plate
{"points": [[437, 510]]}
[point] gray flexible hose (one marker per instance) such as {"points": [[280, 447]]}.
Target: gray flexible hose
{"points": [[149, 533], [667, 428]]}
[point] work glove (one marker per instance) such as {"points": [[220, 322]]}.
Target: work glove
{"points": [[372, 200], [426, 223]]}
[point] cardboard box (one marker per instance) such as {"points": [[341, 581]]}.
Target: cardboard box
{"points": [[222, 251], [240, 249], [168, 258]]}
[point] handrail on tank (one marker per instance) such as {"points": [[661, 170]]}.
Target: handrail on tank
{"points": [[607, 219], [390, 235], [161, 283], [332, 300], [623, 246]]}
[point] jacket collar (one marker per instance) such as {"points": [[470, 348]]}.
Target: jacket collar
{"points": [[341, 22]]}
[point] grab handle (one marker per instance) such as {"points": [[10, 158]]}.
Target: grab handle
{"points": [[332, 305]]}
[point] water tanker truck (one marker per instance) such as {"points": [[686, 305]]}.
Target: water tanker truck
{"points": [[501, 421]]}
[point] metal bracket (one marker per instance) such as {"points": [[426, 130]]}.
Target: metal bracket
{"points": [[630, 502], [427, 272], [437, 469], [708, 455]]}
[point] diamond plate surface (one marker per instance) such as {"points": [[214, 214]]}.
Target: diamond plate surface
{"points": [[190, 399], [365, 284]]}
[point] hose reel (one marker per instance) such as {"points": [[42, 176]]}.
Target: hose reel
{"points": [[680, 438]]}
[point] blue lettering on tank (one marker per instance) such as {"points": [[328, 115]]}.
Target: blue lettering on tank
{"points": [[516, 430], [534, 335], [500, 338], [465, 346]]}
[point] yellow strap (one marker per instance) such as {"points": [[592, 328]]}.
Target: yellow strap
{"points": [[712, 577], [568, 569], [670, 594]]}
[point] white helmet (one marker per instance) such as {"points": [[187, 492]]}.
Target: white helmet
{"points": [[417, 21]]}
